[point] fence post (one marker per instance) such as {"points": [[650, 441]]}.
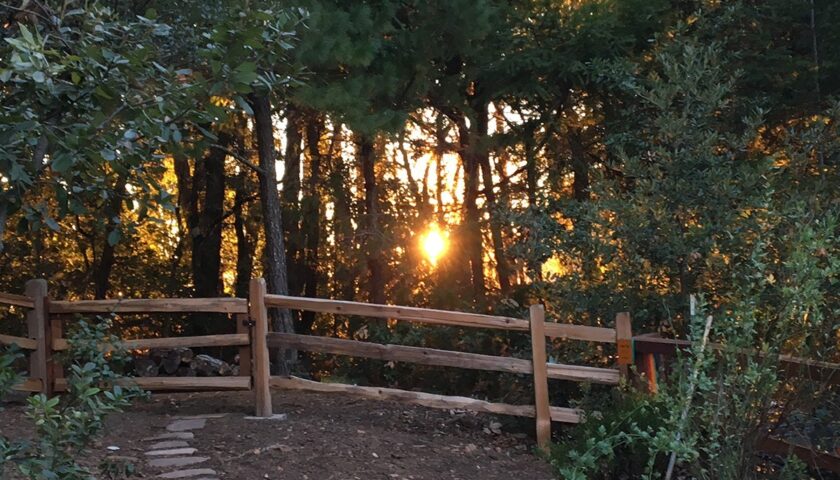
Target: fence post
{"points": [[56, 329], [624, 342], [37, 324], [243, 326], [538, 358], [259, 315]]}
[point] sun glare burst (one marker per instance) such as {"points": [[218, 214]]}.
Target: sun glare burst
{"points": [[433, 243]]}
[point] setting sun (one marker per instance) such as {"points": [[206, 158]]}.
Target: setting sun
{"points": [[433, 243]]}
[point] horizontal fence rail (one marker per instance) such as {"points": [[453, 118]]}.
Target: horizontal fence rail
{"points": [[791, 367], [152, 305], [16, 300], [439, 317], [225, 340], [558, 414], [537, 367], [23, 343], [163, 384], [435, 357]]}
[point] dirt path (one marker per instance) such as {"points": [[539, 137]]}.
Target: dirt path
{"points": [[325, 437]]}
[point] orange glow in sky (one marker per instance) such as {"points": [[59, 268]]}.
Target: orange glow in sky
{"points": [[433, 243]]}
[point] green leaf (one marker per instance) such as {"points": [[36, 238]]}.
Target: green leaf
{"points": [[50, 222], [108, 154], [39, 77], [244, 105], [245, 73], [114, 237]]}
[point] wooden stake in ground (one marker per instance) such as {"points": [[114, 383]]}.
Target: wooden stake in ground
{"points": [[691, 386]]}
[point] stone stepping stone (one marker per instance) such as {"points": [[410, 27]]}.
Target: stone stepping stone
{"points": [[170, 436], [171, 452], [169, 444], [176, 461], [204, 416], [189, 473], [189, 424]]}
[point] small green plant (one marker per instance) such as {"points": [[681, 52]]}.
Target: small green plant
{"points": [[66, 425]]}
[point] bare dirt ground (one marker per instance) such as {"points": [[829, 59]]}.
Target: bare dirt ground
{"points": [[325, 437]]}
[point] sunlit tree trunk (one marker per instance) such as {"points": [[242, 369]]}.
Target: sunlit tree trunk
{"points": [[345, 276], [275, 255], [483, 158], [373, 235], [471, 226]]}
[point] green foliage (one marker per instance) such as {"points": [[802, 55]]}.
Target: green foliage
{"points": [[697, 209], [66, 425], [81, 109], [613, 439], [9, 376]]}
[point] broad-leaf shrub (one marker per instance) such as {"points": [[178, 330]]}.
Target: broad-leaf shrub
{"points": [[66, 425]]}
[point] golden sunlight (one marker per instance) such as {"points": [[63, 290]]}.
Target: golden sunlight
{"points": [[433, 243]]}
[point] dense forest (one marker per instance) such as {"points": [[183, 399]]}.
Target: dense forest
{"points": [[596, 156]]}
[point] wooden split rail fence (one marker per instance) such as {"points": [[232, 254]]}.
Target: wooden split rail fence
{"points": [[45, 328], [46, 325], [537, 366], [45, 321]]}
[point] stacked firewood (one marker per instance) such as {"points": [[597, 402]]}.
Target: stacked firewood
{"points": [[181, 362]]}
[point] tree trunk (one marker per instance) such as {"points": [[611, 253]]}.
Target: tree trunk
{"points": [[471, 226], [205, 223], [244, 245], [373, 237], [275, 255], [291, 200], [102, 269], [483, 158], [312, 217], [580, 167]]}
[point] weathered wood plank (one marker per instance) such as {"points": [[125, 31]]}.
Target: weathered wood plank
{"points": [[439, 317], [624, 341], [443, 358], [789, 366], [410, 314], [243, 327], [825, 461], [225, 340], [152, 305], [24, 343], [578, 373], [179, 383], [399, 353], [16, 300], [32, 385], [580, 332], [538, 355], [38, 329], [559, 414], [260, 367]]}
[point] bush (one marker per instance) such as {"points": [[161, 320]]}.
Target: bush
{"points": [[66, 425]]}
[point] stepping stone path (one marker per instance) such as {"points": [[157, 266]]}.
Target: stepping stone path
{"points": [[171, 451]]}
